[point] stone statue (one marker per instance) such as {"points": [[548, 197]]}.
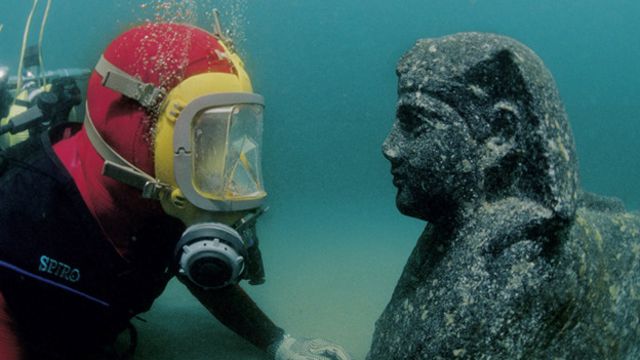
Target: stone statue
{"points": [[516, 261]]}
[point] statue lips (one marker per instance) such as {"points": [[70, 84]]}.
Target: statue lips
{"points": [[397, 178]]}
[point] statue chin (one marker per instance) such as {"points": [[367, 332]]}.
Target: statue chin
{"points": [[407, 204]]}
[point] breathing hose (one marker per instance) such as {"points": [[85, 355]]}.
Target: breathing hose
{"points": [[25, 36], [43, 79]]}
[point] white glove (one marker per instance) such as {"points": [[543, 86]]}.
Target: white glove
{"points": [[291, 348]]}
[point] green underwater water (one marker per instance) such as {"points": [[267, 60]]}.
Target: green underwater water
{"points": [[333, 242]]}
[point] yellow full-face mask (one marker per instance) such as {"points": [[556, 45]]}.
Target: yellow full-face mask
{"points": [[207, 144]]}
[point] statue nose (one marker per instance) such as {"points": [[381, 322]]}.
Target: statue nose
{"points": [[390, 149]]}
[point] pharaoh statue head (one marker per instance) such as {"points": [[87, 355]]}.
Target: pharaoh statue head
{"points": [[479, 119]]}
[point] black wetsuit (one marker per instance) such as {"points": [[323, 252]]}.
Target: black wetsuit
{"points": [[66, 287]]}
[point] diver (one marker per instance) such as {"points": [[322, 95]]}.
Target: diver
{"points": [[162, 179]]}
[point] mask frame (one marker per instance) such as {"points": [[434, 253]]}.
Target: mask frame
{"points": [[183, 150]]}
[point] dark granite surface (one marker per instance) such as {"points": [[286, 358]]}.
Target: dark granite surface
{"points": [[516, 261]]}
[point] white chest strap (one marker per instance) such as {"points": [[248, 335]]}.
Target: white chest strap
{"points": [[119, 168], [148, 95]]}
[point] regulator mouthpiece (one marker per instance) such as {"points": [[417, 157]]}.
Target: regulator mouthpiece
{"points": [[211, 255]]}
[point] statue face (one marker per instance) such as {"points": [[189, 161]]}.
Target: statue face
{"points": [[479, 118], [432, 155]]}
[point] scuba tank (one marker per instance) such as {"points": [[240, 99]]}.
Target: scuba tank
{"points": [[35, 99], [45, 107], [34, 108], [40, 102]]}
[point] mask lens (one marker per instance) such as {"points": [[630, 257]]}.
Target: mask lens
{"points": [[226, 153]]}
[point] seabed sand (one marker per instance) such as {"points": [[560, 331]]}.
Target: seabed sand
{"points": [[313, 289]]}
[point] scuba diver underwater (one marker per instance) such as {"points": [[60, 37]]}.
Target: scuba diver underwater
{"points": [[162, 179]]}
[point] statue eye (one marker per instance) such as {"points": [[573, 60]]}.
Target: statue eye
{"points": [[409, 118]]}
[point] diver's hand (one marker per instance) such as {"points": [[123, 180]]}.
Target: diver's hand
{"points": [[308, 349]]}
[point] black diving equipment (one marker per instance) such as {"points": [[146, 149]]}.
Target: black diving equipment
{"points": [[50, 76], [50, 108], [254, 266], [5, 96], [214, 255]]}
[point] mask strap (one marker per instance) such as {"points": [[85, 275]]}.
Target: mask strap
{"points": [[119, 168], [148, 95]]}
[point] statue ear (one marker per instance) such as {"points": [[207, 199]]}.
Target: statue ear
{"points": [[501, 148], [504, 93], [504, 106], [504, 119]]}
